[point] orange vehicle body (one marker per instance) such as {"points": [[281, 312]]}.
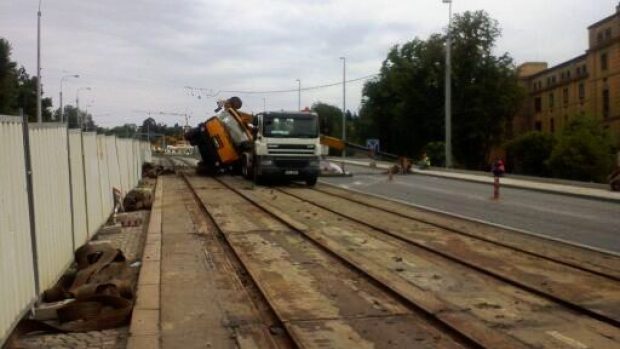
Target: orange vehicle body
{"points": [[220, 138]]}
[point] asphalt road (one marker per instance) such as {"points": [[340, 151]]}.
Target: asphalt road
{"points": [[585, 221]]}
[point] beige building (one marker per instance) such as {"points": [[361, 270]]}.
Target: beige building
{"points": [[585, 85]]}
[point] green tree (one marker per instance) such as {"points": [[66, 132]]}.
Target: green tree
{"points": [[404, 106], [8, 80], [584, 151], [27, 97], [71, 115], [18, 90], [330, 119], [528, 153]]}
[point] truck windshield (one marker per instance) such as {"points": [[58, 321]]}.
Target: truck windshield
{"points": [[290, 126]]}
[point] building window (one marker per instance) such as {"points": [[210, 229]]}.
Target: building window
{"points": [[599, 37], [606, 103], [538, 126], [537, 105], [551, 100], [568, 74], [584, 70], [608, 34], [552, 125], [565, 96], [582, 91], [604, 61]]}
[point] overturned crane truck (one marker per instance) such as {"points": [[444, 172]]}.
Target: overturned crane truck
{"points": [[266, 146]]}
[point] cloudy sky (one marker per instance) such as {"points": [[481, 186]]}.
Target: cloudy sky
{"points": [[139, 55]]}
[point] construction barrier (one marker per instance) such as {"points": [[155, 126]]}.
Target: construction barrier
{"points": [[55, 193]]}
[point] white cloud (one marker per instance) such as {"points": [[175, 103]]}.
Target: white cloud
{"points": [[140, 54]]}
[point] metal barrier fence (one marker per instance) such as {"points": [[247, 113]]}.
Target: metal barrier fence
{"points": [[49, 211]]}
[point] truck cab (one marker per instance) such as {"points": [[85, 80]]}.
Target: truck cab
{"points": [[286, 145]]}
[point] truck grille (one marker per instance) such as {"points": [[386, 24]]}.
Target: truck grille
{"points": [[291, 163], [290, 149]]}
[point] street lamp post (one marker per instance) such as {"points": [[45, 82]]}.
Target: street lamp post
{"points": [[77, 105], [298, 95], [39, 111], [86, 112], [448, 93], [344, 101], [264, 104], [62, 109]]}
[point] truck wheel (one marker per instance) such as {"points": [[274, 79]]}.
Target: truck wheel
{"points": [[311, 181], [256, 178], [246, 170]]}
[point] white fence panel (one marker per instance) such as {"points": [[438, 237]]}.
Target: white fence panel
{"points": [[93, 186], [113, 164], [135, 150], [17, 288], [147, 152], [123, 159], [80, 228], [104, 182], [96, 163], [52, 207]]}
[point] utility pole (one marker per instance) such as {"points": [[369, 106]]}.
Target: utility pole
{"points": [[62, 108], [298, 95], [77, 107], [264, 104], [448, 83], [344, 101], [39, 111]]}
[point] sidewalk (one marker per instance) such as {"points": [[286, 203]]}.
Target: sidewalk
{"points": [[544, 186]]}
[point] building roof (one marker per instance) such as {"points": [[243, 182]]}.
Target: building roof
{"points": [[603, 20], [558, 66]]}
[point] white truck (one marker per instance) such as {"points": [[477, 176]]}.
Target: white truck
{"points": [[270, 145], [285, 145]]}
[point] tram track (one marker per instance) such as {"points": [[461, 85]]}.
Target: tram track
{"points": [[321, 302], [469, 300], [598, 262], [558, 311], [593, 294]]}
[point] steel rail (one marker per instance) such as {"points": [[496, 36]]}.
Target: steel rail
{"points": [[237, 259], [473, 236], [514, 282], [435, 318]]}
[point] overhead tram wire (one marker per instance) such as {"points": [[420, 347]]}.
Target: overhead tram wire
{"points": [[307, 88]]}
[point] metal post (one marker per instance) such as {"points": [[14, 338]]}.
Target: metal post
{"points": [[39, 112], [85, 187], [70, 189], [264, 104], [77, 109], [448, 92], [62, 108], [77, 106], [29, 189], [344, 102], [298, 94]]}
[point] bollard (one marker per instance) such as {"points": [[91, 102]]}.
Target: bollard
{"points": [[496, 188], [391, 173]]}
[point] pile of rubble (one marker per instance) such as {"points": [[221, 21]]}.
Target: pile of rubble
{"points": [[149, 170], [96, 293]]}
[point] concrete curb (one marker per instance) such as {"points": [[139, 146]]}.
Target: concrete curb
{"points": [[489, 180], [144, 330]]}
